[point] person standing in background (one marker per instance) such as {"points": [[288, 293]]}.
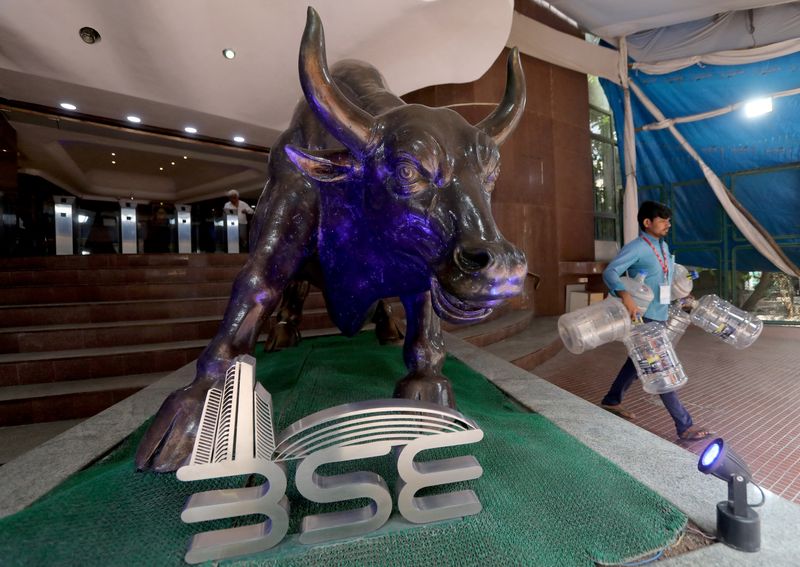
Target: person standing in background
{"points": [[243, 210]]}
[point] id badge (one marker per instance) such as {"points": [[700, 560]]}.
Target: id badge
{"points": [[664, 293]]}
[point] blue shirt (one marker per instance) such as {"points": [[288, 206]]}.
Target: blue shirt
{"points": [[636, 256]]}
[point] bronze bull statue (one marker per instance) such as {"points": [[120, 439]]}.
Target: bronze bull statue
{"points": [[367, 197]]}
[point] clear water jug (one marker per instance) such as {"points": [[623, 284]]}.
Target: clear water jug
{"points": [[640, 292], [682, 282], [594, 325], [677, 323], [731, 324], [654, 357]]}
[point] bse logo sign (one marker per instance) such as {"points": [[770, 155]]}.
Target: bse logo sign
{"points": [[236, 437]]}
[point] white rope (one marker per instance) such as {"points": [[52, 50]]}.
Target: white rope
{"points": [[730, 57], [666, 123]]}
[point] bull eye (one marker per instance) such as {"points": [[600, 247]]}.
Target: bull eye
{"points": [[408, 179]]}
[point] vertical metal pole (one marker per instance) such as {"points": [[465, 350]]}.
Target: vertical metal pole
{"points": [[184, 228], [232, 231], [64, 209], [128, 227]]}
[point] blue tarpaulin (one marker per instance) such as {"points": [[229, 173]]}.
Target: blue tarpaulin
{"points": [[757, 158]]}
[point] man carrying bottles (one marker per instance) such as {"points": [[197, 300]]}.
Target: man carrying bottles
{"points": [[648, 253]]}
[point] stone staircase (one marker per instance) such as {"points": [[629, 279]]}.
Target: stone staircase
{"points": [[79, 334]]}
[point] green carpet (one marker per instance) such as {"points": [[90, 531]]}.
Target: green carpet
{"points": [[548, 500]]}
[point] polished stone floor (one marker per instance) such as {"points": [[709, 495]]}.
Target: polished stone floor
{"points": [[749, 397]]}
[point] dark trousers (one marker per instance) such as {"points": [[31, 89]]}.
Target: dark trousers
{"points": [[244, 237], [627, 374]]}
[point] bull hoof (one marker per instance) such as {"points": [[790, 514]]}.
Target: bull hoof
{"points": [[283, 335], [167, 444], [434, 389]]}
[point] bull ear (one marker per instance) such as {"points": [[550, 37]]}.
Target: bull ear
{"points": [[327, 166]]}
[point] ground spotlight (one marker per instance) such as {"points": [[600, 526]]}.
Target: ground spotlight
{"points": [[738, 525]]}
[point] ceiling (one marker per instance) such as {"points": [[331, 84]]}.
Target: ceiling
{"points": [[162, 61]]}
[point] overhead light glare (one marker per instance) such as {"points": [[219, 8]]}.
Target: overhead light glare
{"points": [[228, 53], [190, 130], [134, 119], [172, 163], [113, 162], [68, 106], [757, 107], [161, 169], [184, 157], [113, 153], [238, 139]]}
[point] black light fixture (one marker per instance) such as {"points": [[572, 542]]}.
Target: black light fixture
{"points": [[738, 525]]}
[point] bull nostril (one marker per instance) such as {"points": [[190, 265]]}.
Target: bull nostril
{"points": [[473, 259]]}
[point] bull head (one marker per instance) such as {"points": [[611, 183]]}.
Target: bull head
{"points": [[424, 176]]}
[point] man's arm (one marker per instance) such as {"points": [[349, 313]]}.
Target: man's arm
{"points": [[247, 208], [611, 276]]}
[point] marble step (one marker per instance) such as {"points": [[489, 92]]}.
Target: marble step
{"points": [[126, 310], [34, 403], [95, 261], [111, 276]]}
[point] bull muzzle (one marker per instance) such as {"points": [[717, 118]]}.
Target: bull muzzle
{"points": [[479, 277]]}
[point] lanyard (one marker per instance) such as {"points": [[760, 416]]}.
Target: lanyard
{"points": [[662, 262]]}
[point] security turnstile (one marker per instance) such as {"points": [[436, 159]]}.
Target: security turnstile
{"points": [[64, 209], [232, 231], [127, 224], [184, 228]]}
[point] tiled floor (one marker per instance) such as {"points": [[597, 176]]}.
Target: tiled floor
{"points": [[750, 397]]}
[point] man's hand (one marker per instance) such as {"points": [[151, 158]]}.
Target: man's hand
{"points": [[630, 305]]}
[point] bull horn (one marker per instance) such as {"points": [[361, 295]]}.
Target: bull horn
{"points": [[500, 123], [343, 119]]}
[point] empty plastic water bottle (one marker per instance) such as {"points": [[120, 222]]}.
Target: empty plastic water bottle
{"points": [[731, 324], [677, 323], [594, 325], [655, 360], [640, 292], [682, 282]]}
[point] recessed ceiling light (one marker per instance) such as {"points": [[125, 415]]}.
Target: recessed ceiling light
{"points": [[172, 163], [134, 119], [89, 35], [238, 139], [68, 106], [161, 169], [190, 130], [228, 53], [112, 161], [184, 157]]}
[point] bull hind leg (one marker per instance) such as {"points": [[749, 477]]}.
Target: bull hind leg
{"points": [[387, 328], [424, 354], [285, 332]]}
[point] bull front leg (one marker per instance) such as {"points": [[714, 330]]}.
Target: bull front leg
{"points": [[282, 246], [424, 354]]}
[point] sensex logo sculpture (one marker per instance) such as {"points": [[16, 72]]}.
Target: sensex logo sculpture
{"points": [[236, 437]]}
